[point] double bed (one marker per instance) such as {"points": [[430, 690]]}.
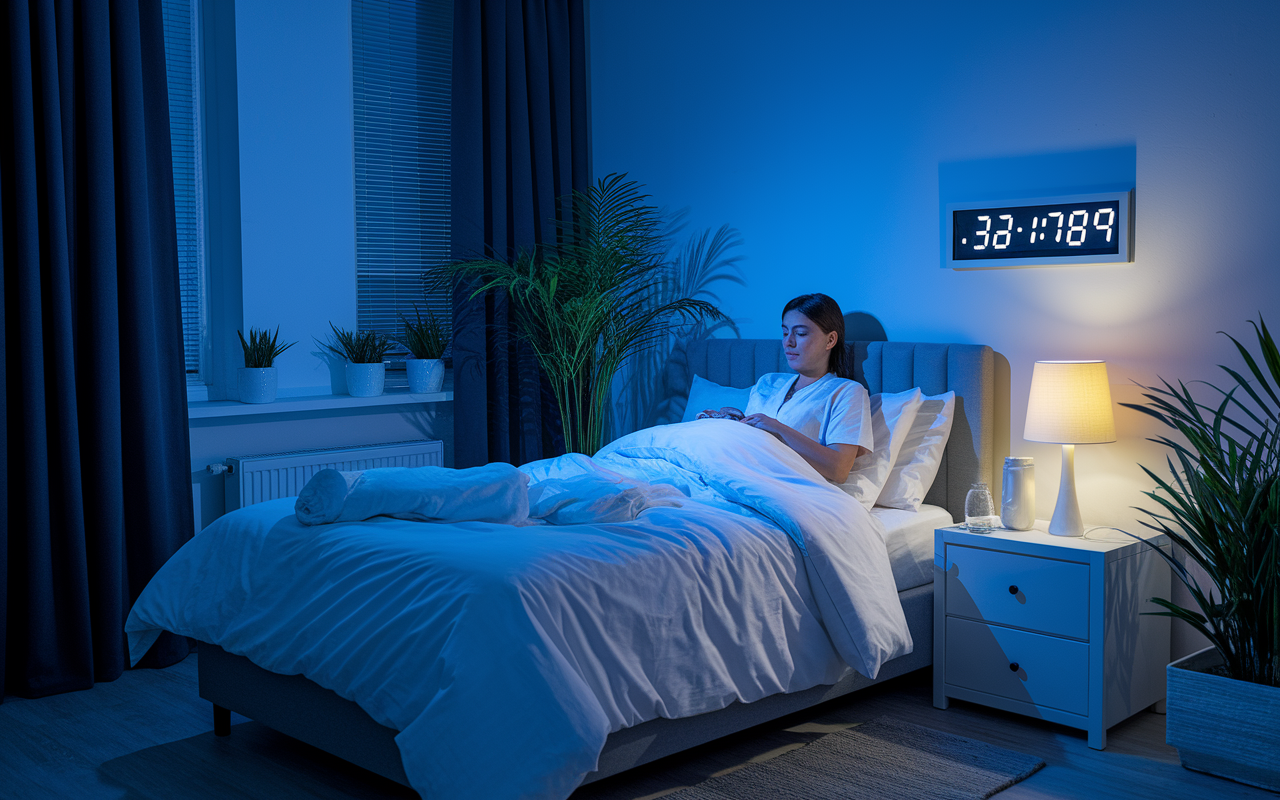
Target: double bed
{"points": [[665, 689]]}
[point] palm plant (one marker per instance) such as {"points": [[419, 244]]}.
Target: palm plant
{"points": [[584, 303], [1222, 507], [359, 347], [652, 387], [262, 348]]}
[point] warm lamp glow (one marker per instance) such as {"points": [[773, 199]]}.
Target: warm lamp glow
{"points": [[1070, 403]]}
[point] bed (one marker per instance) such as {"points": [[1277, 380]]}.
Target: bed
{"points": [[299, 707]]}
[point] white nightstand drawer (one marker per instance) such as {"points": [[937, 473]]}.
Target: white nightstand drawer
{"points": [[1042, 670], [1038, 594]]}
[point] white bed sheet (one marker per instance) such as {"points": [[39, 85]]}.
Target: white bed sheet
{"points": [[773, 582], [909, 539]]}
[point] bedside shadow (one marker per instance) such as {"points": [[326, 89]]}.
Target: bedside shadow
{"points": [[254, 762]]}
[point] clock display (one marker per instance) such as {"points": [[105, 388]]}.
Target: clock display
{"points": [[1083, 229], [1061, 230]]}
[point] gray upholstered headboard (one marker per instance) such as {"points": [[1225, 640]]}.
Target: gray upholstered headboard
{"points": [[966, 369]]}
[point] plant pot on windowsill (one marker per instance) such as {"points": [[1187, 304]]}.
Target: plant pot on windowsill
{"points": [[257, 378], [1223, 726], [426, 375], [257, 384], [364, 352], [366, 380], [427, 339]]}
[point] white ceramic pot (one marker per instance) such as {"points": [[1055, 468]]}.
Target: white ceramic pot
{"points": [[1223, 726], [426, 375], [257, 384], [366, 380]]}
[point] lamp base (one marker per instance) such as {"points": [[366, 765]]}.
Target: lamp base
{"points": [[1066, 512]]}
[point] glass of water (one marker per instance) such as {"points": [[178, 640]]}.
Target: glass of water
{"points": [[979, 510]]}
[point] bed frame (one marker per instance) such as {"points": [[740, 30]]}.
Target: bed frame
{"points": [[295, 706]]}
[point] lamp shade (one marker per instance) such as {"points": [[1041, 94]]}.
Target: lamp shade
{"points": [[1070, 403]]}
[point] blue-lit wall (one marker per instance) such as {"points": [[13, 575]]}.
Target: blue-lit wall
{"points": [[831, 133]]}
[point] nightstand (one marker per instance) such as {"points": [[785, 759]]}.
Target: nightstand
{"points": [[1050, 626]]}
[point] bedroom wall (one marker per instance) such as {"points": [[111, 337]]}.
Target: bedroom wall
{"points": [[832, 133], [297, 214]]}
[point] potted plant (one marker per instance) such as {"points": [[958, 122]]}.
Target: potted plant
{"points": [[426, 340], [585, 302], [1222, 507], [364, 352], [258, 375]]}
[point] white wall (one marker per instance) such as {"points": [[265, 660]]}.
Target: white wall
{"points": [[831, 132]]}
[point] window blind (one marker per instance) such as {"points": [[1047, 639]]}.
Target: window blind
{"points": [[180, 65], [401, 58]]}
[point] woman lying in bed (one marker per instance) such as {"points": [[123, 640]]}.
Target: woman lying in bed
{"points": [[819, 413]]}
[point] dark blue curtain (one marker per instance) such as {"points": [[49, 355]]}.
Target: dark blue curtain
{"points": [[519, 144], [95, 450]]}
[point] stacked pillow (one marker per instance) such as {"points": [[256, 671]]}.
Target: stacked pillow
{"points": [[891, 418], [917, 464], [705, 394]]}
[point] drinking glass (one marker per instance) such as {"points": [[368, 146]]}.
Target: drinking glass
{"points": [[979, 510]]}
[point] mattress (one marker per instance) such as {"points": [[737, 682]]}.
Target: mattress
{"points": [[910, 542]]}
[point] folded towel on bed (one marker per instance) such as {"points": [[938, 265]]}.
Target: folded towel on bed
{"points": [[493, 493]]}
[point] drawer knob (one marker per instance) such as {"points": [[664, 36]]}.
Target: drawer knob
{"points": [[1013, 666], [1013, 589]]}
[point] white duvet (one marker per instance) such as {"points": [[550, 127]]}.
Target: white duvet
{"points": [[505, 655]]}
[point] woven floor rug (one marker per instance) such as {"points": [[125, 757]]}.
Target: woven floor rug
{"points": [[881, 760]]}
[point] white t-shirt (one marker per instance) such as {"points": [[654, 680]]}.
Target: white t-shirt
{"points": [[830, 410]]}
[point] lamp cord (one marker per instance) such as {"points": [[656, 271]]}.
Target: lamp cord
{"points": [[1129, 537]]}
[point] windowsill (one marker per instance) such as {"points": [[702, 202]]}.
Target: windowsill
{"points": [[324, 402]]}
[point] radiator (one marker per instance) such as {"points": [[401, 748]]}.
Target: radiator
{"points": [[254, 479]]}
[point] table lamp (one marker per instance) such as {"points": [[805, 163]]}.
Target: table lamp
{"points": [[1070, 404]]}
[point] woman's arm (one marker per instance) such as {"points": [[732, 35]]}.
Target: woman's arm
{"points": [[832, 462]]}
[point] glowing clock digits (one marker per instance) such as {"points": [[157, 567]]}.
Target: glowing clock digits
{"points": [[985, 234], [1057, 214], [1111, 218], [1007, 233], [1074, 228], [1034, 222]]}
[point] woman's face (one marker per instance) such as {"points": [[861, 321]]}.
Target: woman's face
{"points": [[806, 345]]}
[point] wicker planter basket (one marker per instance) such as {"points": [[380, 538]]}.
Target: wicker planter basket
{"points": [[1223, 726]]}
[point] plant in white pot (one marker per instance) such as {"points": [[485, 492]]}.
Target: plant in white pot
{"points": [[426, 340], [258, 379], [1222, 507], [364, 352]]}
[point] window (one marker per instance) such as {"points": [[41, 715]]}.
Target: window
{"points": [[181, 62], [401, 57]]}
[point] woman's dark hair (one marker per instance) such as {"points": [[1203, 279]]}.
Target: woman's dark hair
{"points": [[825, 313]]}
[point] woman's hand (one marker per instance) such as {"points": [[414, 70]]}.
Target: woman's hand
{"points": [[765, 423], [728, 412], [832, 462]]}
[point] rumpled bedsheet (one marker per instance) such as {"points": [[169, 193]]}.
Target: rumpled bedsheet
{"points": [[505, 655]]}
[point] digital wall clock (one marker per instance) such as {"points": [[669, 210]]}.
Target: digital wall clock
{"points": [[1044, 231]]}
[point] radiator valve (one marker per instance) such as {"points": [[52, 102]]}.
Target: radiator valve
{"points": [[218, 469]]}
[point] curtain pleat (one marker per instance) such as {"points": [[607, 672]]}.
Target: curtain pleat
{"points": [[95, 443], [519, 144]]}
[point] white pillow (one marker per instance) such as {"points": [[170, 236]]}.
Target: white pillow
{"points": [[917, 464], [706, 394], [891, 418]]}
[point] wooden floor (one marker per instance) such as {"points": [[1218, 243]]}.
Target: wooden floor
{"points": [[148, 735]]}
